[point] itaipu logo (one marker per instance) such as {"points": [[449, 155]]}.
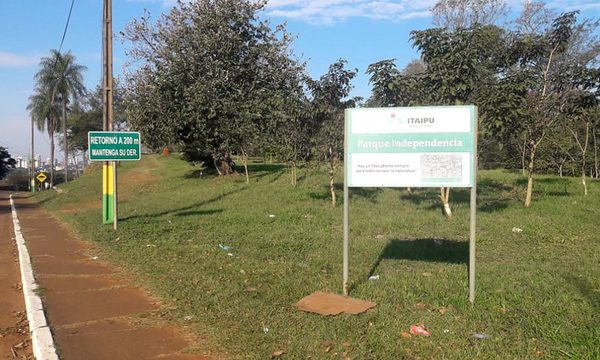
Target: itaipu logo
{"points": [[423, 121], [420, 120]]}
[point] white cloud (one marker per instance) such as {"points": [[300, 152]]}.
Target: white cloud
{"points": [[330, 11], [570, 5], [11, 60]]}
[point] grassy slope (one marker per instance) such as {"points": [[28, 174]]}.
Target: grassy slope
{"points": [[538, 292]]}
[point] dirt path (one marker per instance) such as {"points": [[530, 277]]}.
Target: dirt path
{"points": [[93, 310], [14, 332]]}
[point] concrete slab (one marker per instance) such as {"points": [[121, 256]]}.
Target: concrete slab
{"points": [[65, 308], [74, 283], [135, 344]]}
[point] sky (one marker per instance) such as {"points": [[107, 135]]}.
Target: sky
{"points": [[360, 31]]}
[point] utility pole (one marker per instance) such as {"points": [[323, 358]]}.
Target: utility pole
{"points": [[32, 165], [109, 169]]}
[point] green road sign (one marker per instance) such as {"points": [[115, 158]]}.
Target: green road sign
{"points": [[114, 146], [411, 146]]}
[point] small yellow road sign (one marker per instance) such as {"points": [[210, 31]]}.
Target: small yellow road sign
{"points": [[41, 177]]}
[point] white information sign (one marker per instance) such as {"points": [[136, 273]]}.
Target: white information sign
{"points": [[411, 147]]}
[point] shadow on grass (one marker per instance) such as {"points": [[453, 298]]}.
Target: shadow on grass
{"points": [[586, 289], [187, 210], [255, 170], [369, 194], [418, 196], [431, 250], [426, 249], [198, 212]]}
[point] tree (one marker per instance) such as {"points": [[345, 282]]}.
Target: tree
{"points": [[461, 65], [61, 78], [6, 162], [44, 109], [329, 101], [551, 67], [582, 113], [294, 135], [382, 76], [214, 78], [534, 18], [463, 14], [86, 116]]}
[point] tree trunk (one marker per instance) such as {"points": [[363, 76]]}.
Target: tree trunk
{"points": [[294, 178], [445, 197], [64, 126], [32, 165], [585, 189], [217, 167], [51, 158], [560, 170], [331, 177], [245, 161], [523, 153], [595, 153], [530, 176]]}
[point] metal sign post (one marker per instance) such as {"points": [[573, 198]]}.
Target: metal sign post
{"points": [[111, 147], [411, 147]]}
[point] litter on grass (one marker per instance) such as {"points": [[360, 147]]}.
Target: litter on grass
{"points": [[332, 304], [271, 215], [516, 230], [480, 336], [277, 353], [225, 247], [374, 277], [419, 330]]}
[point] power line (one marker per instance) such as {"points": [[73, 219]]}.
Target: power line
{"points": [[66, 26]]}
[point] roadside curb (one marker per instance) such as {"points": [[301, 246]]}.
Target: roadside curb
{"points": [[41, 338]]}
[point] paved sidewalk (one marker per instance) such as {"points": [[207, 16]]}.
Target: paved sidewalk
{"points": [[14, 332], [92, 311]]}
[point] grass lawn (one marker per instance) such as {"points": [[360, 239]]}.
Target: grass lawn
{"points": [[538, 292]]}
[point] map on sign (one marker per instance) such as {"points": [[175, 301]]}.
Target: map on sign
{"points": [[114, 146], [412, 147]]}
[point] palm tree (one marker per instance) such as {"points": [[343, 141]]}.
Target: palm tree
{"points": [[61, 77], [44, 112]]}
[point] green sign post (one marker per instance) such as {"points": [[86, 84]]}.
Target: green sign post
{"points": [[114, 146], [110, 147]]}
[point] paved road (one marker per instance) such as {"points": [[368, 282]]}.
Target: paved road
{"points": [[94, 311], [14, 332]]}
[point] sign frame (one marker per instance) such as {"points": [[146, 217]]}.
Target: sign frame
{"points": [[371, 128], [118, 148]]}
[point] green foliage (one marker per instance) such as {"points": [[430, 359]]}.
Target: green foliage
{"points": [[216, 78], [6, 162], [329, 100], [58, 80], [87, 116]]}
